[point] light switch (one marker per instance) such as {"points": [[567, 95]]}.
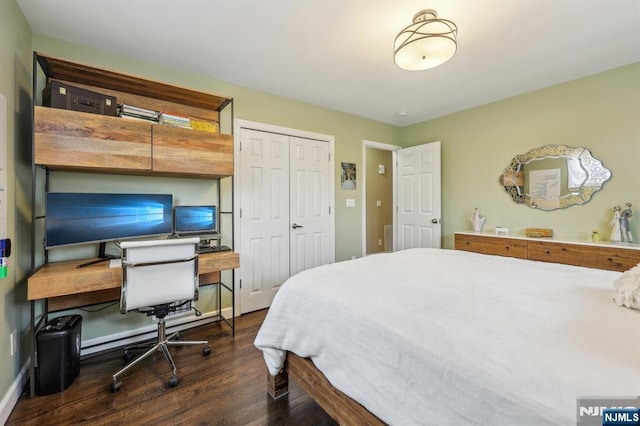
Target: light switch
{"points": [[378, 203], [351, 202]]}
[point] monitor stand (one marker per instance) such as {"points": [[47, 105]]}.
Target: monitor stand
{"points": [[102, 256]]}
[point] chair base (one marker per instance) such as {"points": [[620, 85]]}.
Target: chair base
{"points": [[162, 346]]}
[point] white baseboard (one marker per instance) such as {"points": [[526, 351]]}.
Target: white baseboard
{"points": [[13, 394]]}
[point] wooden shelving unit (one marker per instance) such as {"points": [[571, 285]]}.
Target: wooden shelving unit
{"points": [[65, 140], [71, 140]]}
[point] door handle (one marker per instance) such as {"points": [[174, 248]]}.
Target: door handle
{"points": [[296, 226], [436, 220]]}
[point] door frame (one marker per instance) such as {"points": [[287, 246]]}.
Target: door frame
{"points": [[385, 147], [238, 125]]}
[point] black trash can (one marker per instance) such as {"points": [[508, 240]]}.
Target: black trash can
{"points": [[58, 346]]}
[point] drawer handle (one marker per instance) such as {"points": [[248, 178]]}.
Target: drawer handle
{"points": [[547, 252]]}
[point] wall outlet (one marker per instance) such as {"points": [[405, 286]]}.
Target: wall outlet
{"points": [[380, 242], [14, 342]]}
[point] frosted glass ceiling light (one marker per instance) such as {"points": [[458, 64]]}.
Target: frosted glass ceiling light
{"points": [[426, 43]]}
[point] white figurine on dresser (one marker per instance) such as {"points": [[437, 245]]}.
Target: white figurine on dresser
{"points": [[477, 220], [616, 234]]}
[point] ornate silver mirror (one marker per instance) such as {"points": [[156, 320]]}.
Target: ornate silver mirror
{"points": [[554, 177]]}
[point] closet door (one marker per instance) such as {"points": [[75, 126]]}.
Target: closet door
{"points": [[264, 220], [309, 207], [285, 222]]}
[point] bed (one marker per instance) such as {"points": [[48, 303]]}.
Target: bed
{"points": [[432, 336]]}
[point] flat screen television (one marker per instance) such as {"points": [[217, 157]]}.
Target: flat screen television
{"points": [[195, 220], [82, 218]]}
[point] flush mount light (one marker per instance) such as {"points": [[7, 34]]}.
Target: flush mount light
{"points": [[426, 43]]}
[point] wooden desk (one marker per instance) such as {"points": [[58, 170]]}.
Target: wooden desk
{"points": [[63, 285], [66, 286]]}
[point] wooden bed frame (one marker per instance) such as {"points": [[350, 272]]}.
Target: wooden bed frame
{"points": [[337, 404], [345, 410]]}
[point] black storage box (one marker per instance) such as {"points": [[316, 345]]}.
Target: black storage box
{"points": [[65, 96], [58, 346]]}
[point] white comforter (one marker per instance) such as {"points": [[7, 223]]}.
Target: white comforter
{"points": [[430, 336]]}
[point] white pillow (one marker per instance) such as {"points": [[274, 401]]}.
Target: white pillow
{"points": [[626, 288]]}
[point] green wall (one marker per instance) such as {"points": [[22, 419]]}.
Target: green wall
{"points": [[600, 113], [15, 85]]}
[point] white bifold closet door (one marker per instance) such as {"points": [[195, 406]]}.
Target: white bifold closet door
{"points": [[284, 212]]}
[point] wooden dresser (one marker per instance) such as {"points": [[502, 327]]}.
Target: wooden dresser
{"points": [[609, 256]]}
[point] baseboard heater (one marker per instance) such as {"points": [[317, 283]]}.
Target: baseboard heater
{"points": [[141, 334]]}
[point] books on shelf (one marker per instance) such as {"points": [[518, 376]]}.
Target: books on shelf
{"points": [[167, 117], [203, 125], [175, 119], [130, 111]]}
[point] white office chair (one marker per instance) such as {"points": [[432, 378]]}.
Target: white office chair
{"points": [[159, 277]]}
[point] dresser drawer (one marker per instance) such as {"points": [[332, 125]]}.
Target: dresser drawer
{"points": [[491, 245], [609, 258]]}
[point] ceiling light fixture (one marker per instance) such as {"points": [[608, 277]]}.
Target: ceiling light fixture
{"points": [[426, 43]]}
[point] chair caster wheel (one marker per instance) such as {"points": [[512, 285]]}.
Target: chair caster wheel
{"points": [[206, 351], [127, 357], [173, 381], [115, 387]]}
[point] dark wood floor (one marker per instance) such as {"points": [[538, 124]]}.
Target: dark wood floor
{"points": [[226, 388]]}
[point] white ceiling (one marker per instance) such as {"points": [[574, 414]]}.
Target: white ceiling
{"points": [[338, 53]]}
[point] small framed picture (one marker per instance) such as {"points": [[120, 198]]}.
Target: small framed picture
{"points": [[348, 179]]}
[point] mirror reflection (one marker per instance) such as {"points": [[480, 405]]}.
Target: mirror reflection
{"points": [[554, 177]]}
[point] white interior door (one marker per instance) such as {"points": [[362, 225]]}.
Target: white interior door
{"points": [[309, 207], [419, 196], [285, 219], [264, 217]]}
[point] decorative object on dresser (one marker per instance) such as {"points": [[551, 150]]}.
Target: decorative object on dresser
{"points": [[554, 177], [501, 230], [538, 232], [616, 233], [624, 222], [477, 220]]}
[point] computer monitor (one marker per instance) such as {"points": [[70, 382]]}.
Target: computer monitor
{"points": [[195, 220], [82, 218]]}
